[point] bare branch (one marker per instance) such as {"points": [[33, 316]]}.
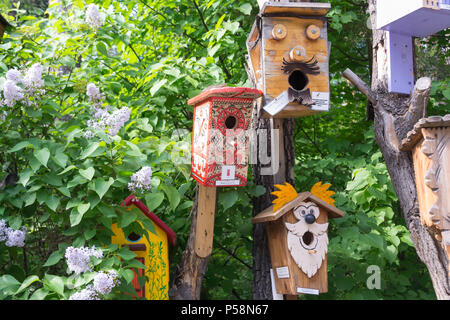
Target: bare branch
{"points": [[361, 85]]}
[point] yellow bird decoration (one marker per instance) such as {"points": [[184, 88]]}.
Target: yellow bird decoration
{"points": [[321, 191], [287, 193]]}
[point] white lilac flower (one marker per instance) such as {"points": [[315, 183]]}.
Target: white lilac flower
{"points": [[87, 293], [14, 75], [141, 180], [104, 282], [16, 238], [33, 78], [78, 259], [93, 16], [117, 119], [12, 93], [93, 93]]}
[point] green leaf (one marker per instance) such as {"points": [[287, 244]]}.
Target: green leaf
{"points": [[52, 202], [67, 169], [101, 186], [246, 8], [172, 195], [153, 200], [61, 159], [126, 253], [83, 207], [54, 258], [24, 176], [30, 198], [77, 213], [54, 283], [158, 84], [88, 173], [89, 150], [26, 283], [101, 47], [42, 156], [126, 217], [20, 146], [39, 294], [127, 274], [228, 199]]}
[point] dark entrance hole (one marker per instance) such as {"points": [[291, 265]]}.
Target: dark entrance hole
{"points": [[133, 237], [230, 122], [298, 80], [308, 238]]}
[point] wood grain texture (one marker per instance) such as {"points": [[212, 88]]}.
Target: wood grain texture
{"points": [[205, 220], [281, 257]]}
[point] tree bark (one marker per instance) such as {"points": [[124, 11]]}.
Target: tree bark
{"points": [[395, 115], [191, 268]]}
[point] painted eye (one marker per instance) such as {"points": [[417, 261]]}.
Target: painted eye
{"points": [[303, 212], [311, 211]]}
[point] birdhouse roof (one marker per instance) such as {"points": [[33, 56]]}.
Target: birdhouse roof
{"points": [[272, 8], [270, 215], [226, 92], [415, 135], [132, 200]]}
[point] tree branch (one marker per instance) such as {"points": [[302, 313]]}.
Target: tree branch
{"points": [[361, 85]]}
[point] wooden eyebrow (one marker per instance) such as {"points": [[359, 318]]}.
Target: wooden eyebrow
{"points": [[308, 67]]}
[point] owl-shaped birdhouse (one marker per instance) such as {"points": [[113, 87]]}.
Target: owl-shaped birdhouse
{"points": [[297, 231], [220, 138], [288, 57], [151, 249]]}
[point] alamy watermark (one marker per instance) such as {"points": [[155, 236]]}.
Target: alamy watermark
{"points": [[374, 280]]}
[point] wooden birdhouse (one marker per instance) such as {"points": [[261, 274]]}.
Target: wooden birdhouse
{"points": [[153, 252], [220, 139], [429, 143], [404, 19], [297, 231], [288, 57]]}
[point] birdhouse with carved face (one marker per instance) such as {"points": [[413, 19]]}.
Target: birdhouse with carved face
{"points": [[288, 57], [297, 231], [220, 138]]}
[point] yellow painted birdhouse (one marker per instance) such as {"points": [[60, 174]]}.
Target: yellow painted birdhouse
{"points": [[153, 252], [297, 231], [288, 57]]}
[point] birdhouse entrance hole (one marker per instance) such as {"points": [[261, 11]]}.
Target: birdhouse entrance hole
{"points": [[230, 122], [308, 238], [298, 80], [132, 237]]}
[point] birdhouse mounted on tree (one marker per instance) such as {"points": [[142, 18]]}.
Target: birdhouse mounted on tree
{"points": [[220, 140], [288, 57], [152, 250], [404, 19], [429, 143], [296, 228]]}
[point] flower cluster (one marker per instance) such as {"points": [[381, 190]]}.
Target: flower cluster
{"points": [[78, 259], [31, 83], [104, 282], [13, 238], [141, 180], [93, 17], [102, 119]]}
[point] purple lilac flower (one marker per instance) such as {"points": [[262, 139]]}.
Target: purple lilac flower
{"points": [[105, 281], [78, 259], [16, 238], [87, 293], [141, 180], [12, 93], [93, 16]]}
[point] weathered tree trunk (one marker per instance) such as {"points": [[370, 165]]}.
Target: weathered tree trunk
{"points": [[395, 115]]}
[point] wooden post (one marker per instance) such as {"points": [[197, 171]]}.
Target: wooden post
{"points": [[205, 220]]}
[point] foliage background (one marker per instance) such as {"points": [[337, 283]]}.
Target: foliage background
{"points": [[153, 56]]}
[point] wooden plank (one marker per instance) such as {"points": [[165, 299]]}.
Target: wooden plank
{"points": [[305, 9], [207, 197]]}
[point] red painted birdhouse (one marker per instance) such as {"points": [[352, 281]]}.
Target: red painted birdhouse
{"points": [[220, 139]]}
